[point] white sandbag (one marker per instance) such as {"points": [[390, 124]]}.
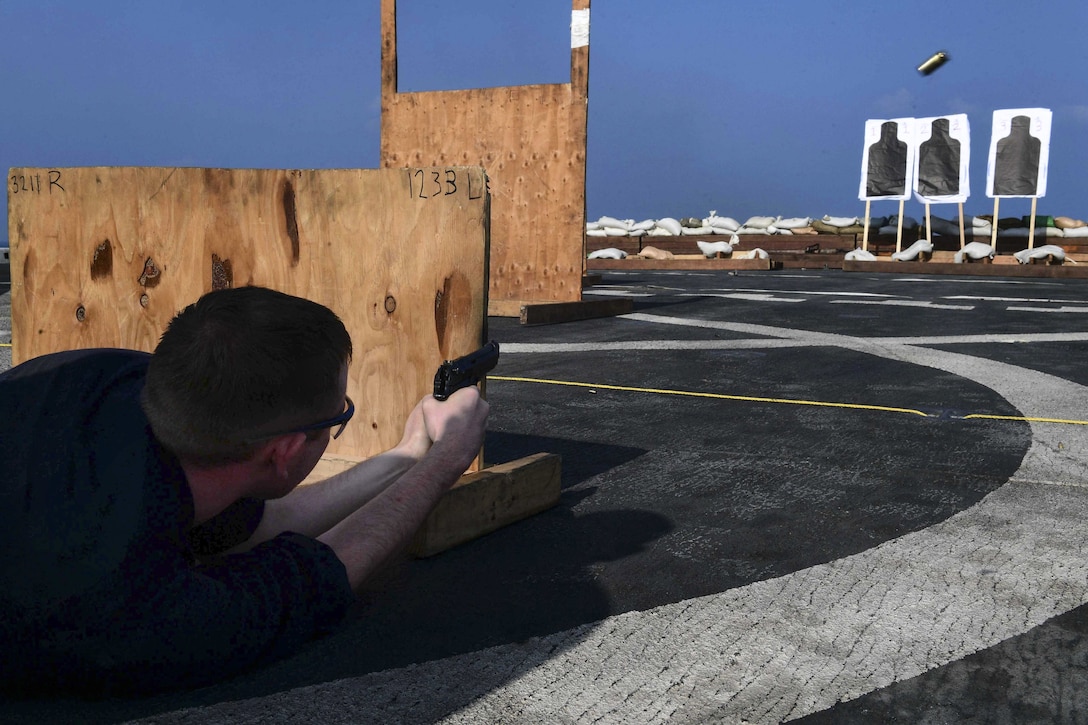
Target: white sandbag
{"points": [[712, 249], [1024, 232], [1025, 256], [614, 232], [596, 233], [840, 221], [977, 221], [660, 232], [753, 230], [643, 226], [861, 255], [701, 231], [756, 253], [592, 225], [724, 231], [610, 253], [973, 250], [1076, 232], [793, 223], [722, 222], [912, 252], [607, 222], [672, 225], [774, 229], [759, 222]]}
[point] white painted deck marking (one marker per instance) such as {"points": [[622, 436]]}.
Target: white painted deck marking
{"points": [[779, 649]]}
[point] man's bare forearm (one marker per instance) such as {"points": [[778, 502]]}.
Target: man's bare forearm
{"points": [[315, 508], [368, 537]]}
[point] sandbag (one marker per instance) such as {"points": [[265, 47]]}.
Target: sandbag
{"points": [[792, 223], [973, 250], [1025, 256], [712, 249], [1064, 222], [949, 227], [913, 251], [756, 253], [1024, 232], [609, 253], [722, 222], [607, 222], [840, 221], [759, 222], [669, 224], [655, 253], [862, 255]]}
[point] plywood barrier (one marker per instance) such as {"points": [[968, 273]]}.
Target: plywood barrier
{"points": [[104, 257], [532, 142]]}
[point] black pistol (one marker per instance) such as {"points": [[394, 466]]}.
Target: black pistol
{"points": [[453, 375]]}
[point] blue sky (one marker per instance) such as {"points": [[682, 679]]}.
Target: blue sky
{"points": [[753, 108]]}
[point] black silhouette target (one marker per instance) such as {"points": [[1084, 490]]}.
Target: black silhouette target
{"points": [[887, 161]]}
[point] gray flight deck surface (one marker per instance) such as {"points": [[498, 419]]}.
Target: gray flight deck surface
{"points": [[816, 495]]}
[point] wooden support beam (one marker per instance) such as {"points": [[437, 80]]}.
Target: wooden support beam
{"points": [[687, 263], [591, 280], [479, 503], [489, 499], [555, 312]]}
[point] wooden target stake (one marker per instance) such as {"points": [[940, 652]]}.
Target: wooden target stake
{"points": [[962, 235], [1031, 223], [899, 230], [865, 232]]}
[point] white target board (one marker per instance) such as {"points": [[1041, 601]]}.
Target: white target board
{"points": [[1019, 153], [942, 159]]}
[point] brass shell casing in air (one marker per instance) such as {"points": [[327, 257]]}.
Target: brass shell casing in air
{"points": [[933, 62]]}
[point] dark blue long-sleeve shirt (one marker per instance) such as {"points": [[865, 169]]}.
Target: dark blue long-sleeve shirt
{"points": [[105, 586]]}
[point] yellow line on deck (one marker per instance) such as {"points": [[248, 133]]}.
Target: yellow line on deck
{"points": [[787, 401], [1029, 419], [718, 396]]}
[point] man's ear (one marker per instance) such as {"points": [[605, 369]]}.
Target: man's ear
{"points": [[282, 450]]}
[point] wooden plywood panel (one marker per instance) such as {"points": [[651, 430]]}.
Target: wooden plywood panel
{"points": [[106, 256], [532, 142]]}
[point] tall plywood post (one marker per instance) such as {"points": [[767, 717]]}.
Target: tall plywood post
{"points": [[532, 142]]}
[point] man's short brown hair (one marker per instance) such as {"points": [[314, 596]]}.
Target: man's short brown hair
{"points": [[240, 363]]}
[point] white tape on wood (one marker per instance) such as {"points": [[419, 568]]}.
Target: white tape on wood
{"points": [[579, 28]]}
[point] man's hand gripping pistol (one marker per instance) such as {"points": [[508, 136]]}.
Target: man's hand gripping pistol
{"points": [[453, 375]]}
